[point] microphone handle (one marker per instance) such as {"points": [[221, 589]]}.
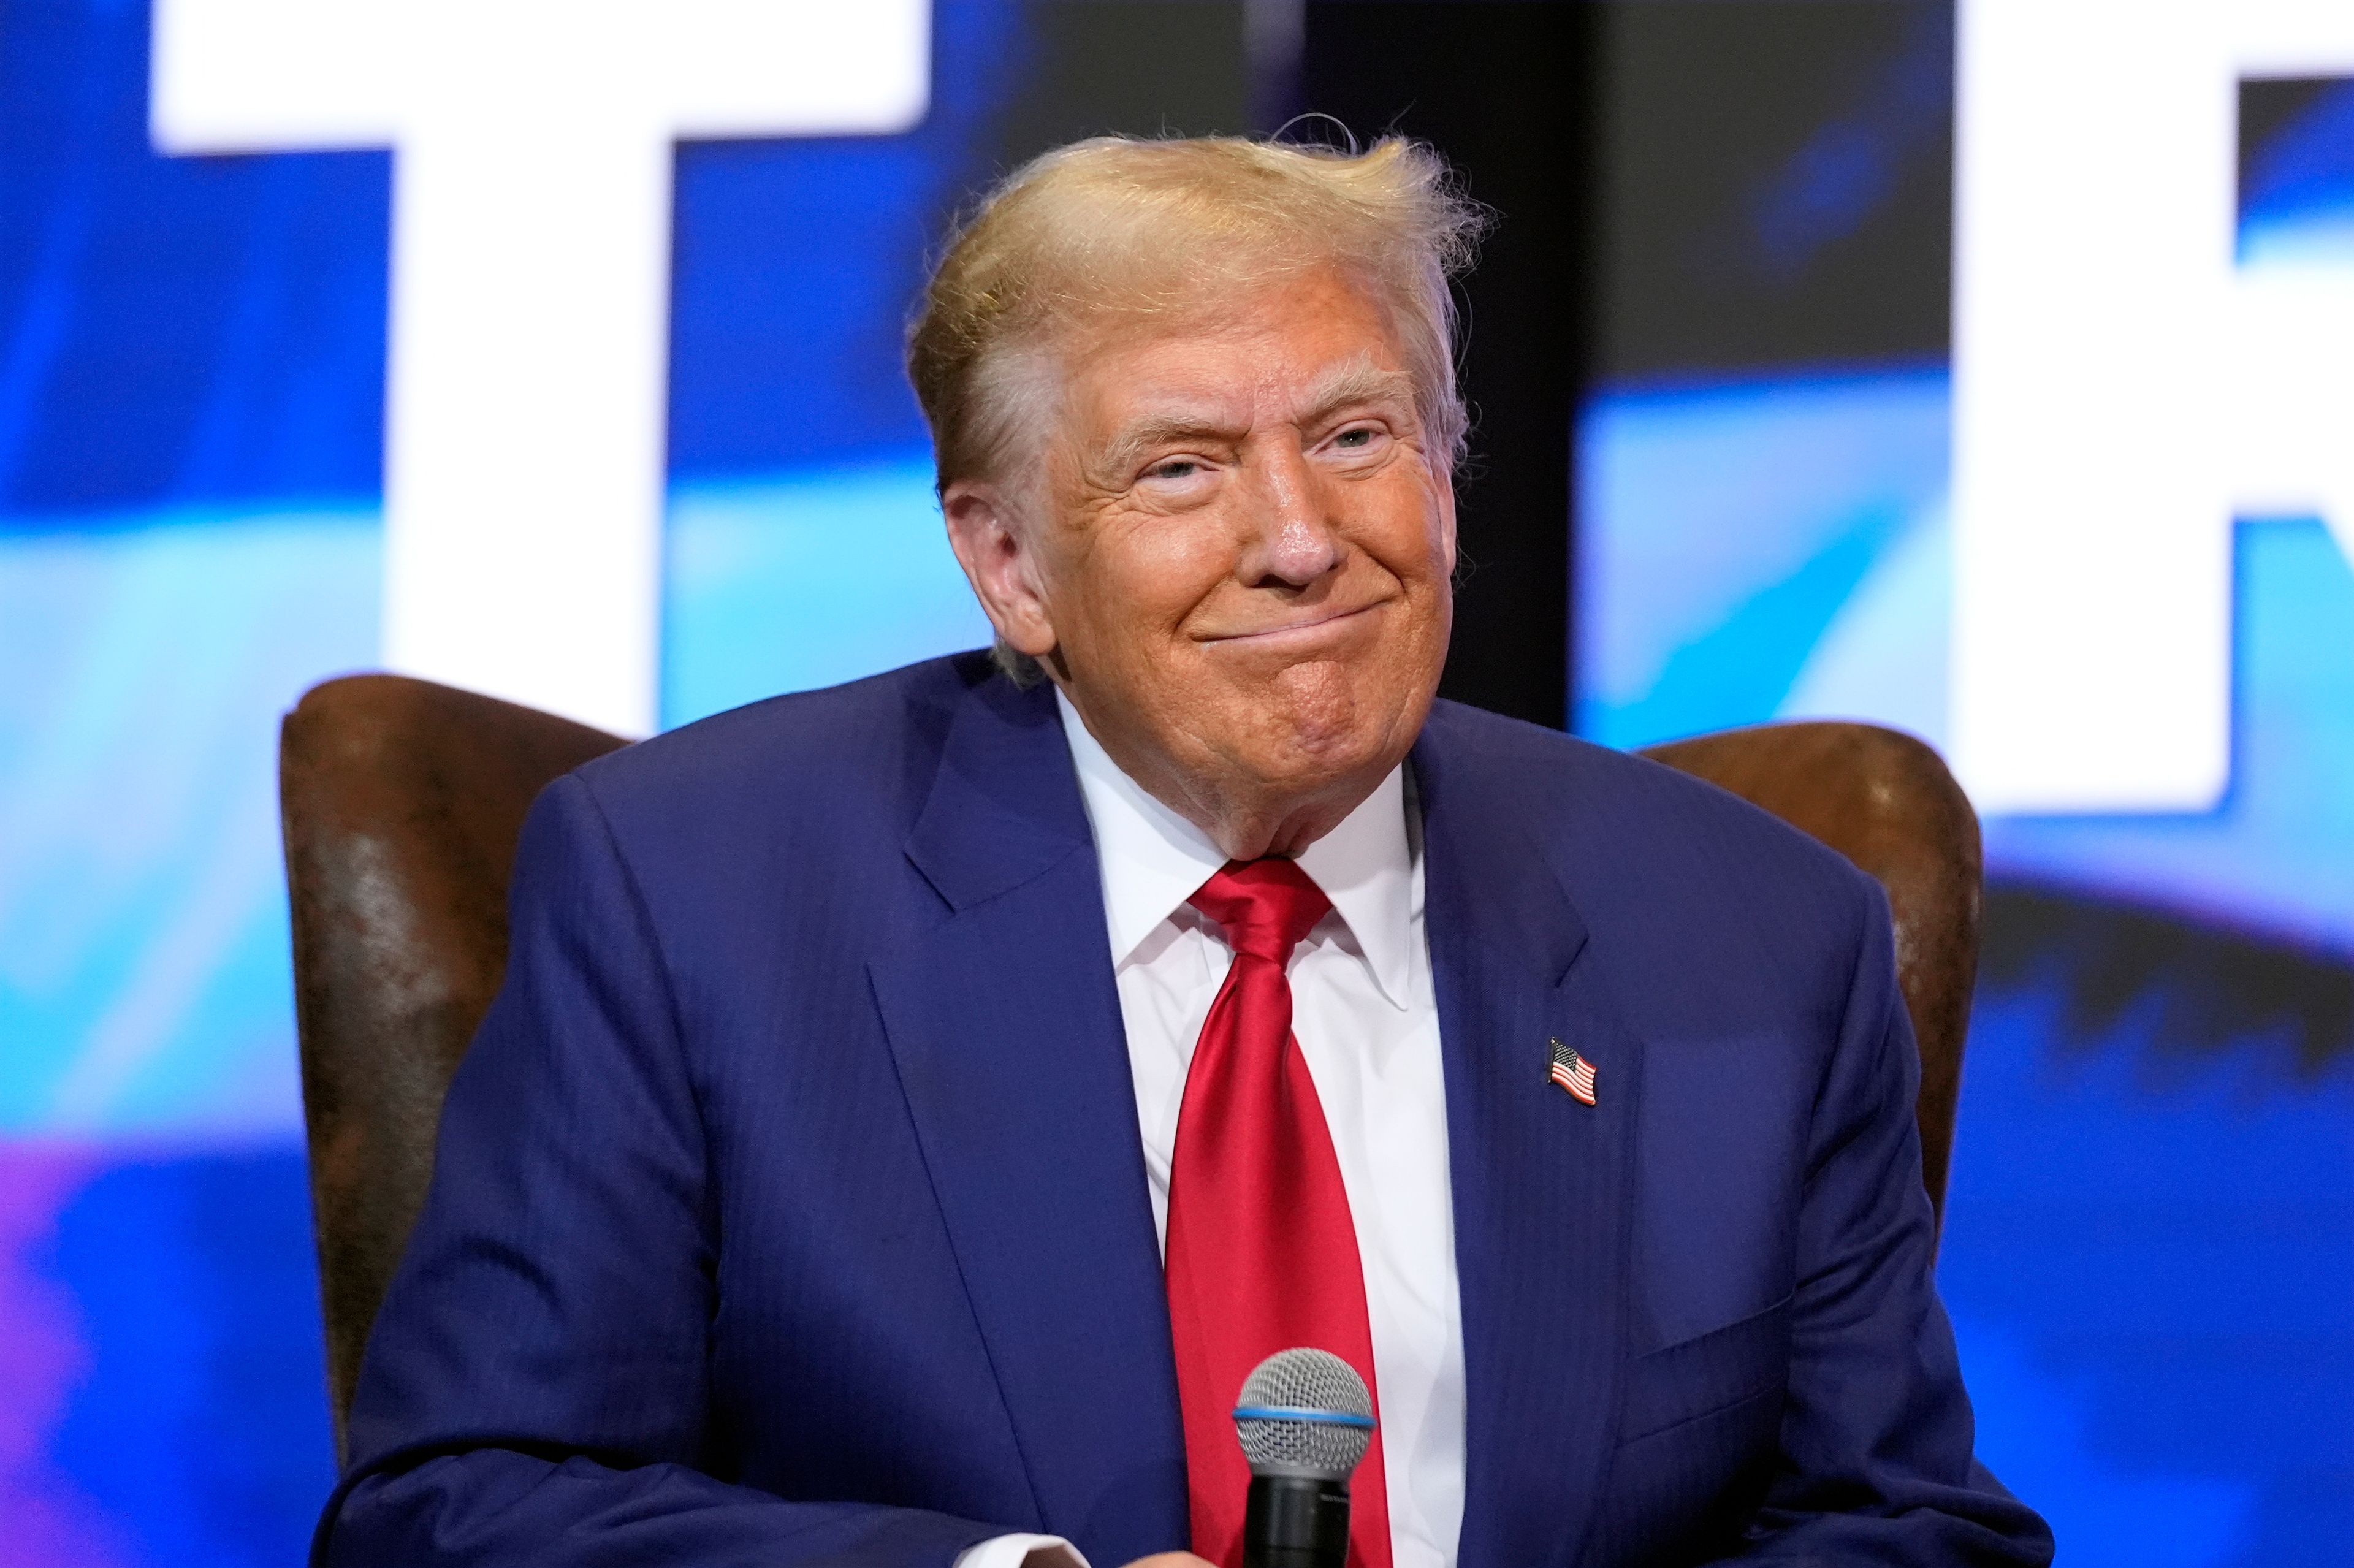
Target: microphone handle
{"points": [[1296, 1522]]}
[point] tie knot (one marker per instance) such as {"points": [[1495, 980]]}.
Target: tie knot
{"points": [[1265, 905]]}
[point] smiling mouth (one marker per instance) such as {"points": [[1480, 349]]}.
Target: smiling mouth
{"points": [[1295, 629]]}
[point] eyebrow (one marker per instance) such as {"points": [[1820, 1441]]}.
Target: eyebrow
{"points": [[1360, 382], [1159, 431]]}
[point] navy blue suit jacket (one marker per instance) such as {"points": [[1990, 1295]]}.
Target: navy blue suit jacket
{"points": [[790, 1206]]}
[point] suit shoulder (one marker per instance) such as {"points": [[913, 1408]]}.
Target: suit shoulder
{"points": [[1632, 817], [840, 745]]}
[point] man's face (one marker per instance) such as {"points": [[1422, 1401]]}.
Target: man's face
{"points": [[1238, 556]]}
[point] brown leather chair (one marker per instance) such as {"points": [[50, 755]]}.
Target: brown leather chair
{"points": [[403, 800]]}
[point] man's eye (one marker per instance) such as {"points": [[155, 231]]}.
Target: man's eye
{"points": [[1176, 468], [1360, 437]]}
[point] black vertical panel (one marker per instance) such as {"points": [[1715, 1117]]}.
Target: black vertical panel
{"points": [[1500, 90], [1773, 186], [1137, 67]]}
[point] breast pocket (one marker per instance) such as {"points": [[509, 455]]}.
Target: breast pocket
{"points": [[1725, 1367]]}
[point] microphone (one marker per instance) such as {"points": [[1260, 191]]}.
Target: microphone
{"points": [[1304, 1419]]}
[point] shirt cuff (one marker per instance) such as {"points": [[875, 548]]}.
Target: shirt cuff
{"points": [[1021, 1552]]}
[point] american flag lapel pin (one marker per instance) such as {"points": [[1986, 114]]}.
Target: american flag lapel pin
{"points": [[1574, 1073]]}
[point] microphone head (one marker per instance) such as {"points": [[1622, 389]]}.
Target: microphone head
{"points": [[1304, 1413]]}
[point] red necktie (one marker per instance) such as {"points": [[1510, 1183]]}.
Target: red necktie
{"points": [[1262, 1255]]}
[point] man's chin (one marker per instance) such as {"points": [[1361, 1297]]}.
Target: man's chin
{"points": [[1312, 758]]}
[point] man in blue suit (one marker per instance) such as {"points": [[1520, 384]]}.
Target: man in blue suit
{"points": [[909, 1105]]}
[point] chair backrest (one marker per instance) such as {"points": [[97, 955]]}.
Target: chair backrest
{"points": [[403, 800]]}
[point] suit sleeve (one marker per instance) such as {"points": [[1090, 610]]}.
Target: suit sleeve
{"points": [[1877, 1434], [534, 1389]]}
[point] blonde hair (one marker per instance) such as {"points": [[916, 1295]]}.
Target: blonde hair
{"points": [[1117, 226]]}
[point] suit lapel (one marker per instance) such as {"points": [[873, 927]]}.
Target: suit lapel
{"points": [[1541, 1186], [1005, 1021]]}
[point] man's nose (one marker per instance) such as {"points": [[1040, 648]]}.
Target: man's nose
{"points": [[1293, 540]]}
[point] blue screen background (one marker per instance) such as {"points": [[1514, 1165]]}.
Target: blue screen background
{"points": [[2150, 1246]]}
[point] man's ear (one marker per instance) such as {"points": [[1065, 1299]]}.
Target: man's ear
{"points": [[999, 562]]}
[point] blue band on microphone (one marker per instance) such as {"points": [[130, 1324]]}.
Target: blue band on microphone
{"points": [[1301, 1413]]}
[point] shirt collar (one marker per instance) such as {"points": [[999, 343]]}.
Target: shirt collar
{"points": [[1152, 859]]}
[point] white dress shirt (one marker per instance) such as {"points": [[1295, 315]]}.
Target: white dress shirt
{"points": [[1366, 1017]]}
